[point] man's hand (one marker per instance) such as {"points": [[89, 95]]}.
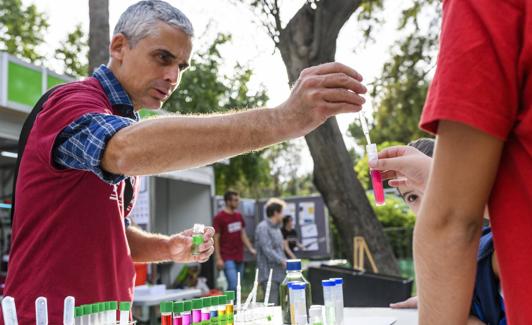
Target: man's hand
{"points": [[220, 263], [403, 166], [408, 303], [180, 246], [253, 251], [321, 92]]}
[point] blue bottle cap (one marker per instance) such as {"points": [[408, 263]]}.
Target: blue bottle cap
{"points": [[328, 283], [337, 280], [293, 265]]}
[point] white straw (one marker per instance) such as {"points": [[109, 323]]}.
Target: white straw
{"points": [[268, 287]]}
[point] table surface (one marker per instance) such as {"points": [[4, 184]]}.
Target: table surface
{"points": [[360, 316]]}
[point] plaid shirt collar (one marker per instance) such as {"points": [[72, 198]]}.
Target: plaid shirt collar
{"points": [[117, 95]]}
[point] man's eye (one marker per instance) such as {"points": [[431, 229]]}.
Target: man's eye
{"points": [[411, 198]]}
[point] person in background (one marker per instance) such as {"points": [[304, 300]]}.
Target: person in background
{"points": [[230, 238], [270, 248], [291, 240], [487, 306]]}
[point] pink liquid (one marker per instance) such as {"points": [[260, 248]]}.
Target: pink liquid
{"points": [[196, 316], [178, 320], [378, 190], [205, 316], [186, 319]]}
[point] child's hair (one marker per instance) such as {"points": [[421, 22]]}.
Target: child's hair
{"points": [[425, 145]]}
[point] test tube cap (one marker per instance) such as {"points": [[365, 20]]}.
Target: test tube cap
{"points": [[166, 306], [206, 301], [125, 306], [187, 305], [214, 301], [293, 265], [328, 283], [198, 228], [103, 306], [230, 295], [95, 307], [196, 304], [178, 307], [87, 309], [337, 280], [78, 311], [222, 300], [113, 305], [372, 151]]}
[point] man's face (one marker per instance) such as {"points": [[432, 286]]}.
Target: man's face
{"points": [[233, 202], [151, 70], [277, 217]]}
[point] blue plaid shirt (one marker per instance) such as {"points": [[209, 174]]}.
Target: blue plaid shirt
{"points": [[82, 143]]}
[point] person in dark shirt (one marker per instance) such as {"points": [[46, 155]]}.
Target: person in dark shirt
{"points": [[291, 240]]}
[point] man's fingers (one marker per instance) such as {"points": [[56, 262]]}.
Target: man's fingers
{"points": [[398, 182], [333, 67], [393, 152], [208, 233], [338, 95], [343, 81], [339, 108], [203, 257], [389, 174], [206, 246]]}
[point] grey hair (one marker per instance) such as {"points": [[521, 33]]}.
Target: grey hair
{"points": [[138, 20]]}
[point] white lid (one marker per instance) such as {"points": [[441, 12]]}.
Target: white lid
{"points": [[198, 228], [315, 311], [372, 151]]}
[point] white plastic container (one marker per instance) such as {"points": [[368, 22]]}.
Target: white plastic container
{"points": [[329, 301], [297, 299], [339, 300], [315, 315]]}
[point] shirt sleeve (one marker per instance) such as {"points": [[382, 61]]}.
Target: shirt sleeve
{"points": [[82, 143], [477, 77], [217, 223]]}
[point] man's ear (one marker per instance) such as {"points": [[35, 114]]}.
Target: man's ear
{"points": [[118, 46]]}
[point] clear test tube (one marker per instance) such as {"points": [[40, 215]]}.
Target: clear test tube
{"points": [[328, 301], [197, 238], [206, 310], [196, 311], [315, 315], [214, 310], [113, 306], [125, 307], [186, 314], [339, 300], [69, 310], [178, 308], [166, 308], [77, 316], [299, 302], [376, 177], [85, 317], [9, 310], [95, 314], [222, 301], [229, 307]]}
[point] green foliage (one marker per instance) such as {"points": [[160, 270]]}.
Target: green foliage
{"points": [[400, 91], [73, 53], [362, 168], [204, 90], [394, 213], [21, 30]]}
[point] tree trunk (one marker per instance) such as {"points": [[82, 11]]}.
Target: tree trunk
{"points": [[98, 33], [310, 39]]}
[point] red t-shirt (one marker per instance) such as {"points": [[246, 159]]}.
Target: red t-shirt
{"points": [[68, 233], [230, 227], [483, 80]]}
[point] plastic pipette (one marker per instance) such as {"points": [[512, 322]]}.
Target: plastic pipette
{"points": [[255, 288], [365, 128], [9, 310], [268, 287], [41, 311], [238, 296], [68, 311], [253, 292]]}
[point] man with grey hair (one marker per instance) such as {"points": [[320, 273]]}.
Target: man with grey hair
{"points": [[84, 147], [269, 243]]}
